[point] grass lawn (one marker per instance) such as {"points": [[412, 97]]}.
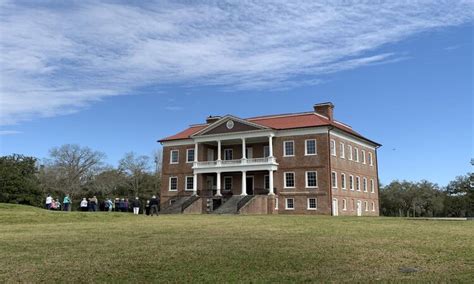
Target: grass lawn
{"points": [[37, 245]]}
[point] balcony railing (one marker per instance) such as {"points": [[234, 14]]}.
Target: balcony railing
{"points": [[238, 162]]}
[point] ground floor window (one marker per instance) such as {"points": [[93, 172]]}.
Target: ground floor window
{"points": [[312, 204], [227, 183], [276, 203], [289, 180], [290, 204], [190, 183], [366, 205], [311, 179], [373, 206], [173, 184], [344, 204]]}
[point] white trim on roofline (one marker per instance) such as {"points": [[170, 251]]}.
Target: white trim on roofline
{"points": [[343, 135], [302, 131], [180, 142], [225, 119], [235, 135]]}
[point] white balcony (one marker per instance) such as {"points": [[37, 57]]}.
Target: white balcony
{"points": [[238, 165]]}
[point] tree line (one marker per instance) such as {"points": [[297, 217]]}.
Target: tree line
{"points": [[81, 172], [77, 171]]}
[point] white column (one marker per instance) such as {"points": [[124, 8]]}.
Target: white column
{"points": [[270, 146], [244, 183], [195, 184], [270, 177], [219, 152], [243, 149], [218, 193], [196, 152]]}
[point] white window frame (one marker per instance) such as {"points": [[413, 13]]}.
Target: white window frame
{"points": [[315, 203], [364, 184], [332, 147], [231, 183], [284, 180], [232, 154], [342, 150], [186, 184], [343, 178], [371, 159], [171, 157], [363, 157], [344, 204], [276, 203], [357, 183], [372, 186], [350, 152], [306, 147], [351, 182], [366, 205], [187, 155], [373, 206], [284, 148], [169, 183], [286, 203], [306, 179], [266, 148], [356, 154], [334, 184]]}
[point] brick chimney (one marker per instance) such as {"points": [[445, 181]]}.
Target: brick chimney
{"points": [[211, 119], [325, 109]]}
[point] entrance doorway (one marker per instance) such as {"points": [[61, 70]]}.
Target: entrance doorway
{"points": [[249, 182], [359, 208], [335, 209]]}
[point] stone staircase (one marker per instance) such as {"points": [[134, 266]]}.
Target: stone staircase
{"points": [[233, 204], [179, 205]]}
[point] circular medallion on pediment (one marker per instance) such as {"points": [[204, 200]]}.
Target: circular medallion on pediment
{"points": [[230, 124]]}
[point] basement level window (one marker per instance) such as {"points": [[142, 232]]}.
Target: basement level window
{"points": [[290, 204]]}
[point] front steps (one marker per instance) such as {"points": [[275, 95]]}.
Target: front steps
{"points": [[233, 204], [179, 205]]}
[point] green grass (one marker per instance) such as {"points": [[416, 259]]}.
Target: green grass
{"points": [[37, 245]]}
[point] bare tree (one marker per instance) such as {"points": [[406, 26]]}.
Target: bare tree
{"points": [[135, 167]]}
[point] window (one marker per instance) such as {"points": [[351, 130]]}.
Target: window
{"points": [[363, 157], [266, 151], [288, 148], [373, 206], [189, 183], [312, 204], [227, 183], [342, 150], [190, 155], [372, 186], [364, 185], [350, 152], [344, 204], [290, 204], [366, 205], [174, 157], [333, 147], [371, 162], [289, 180], [310, 147], [173, 184], [334, 179], [228, 154], [343, 181], [266, 182], [351, 183], [358, 183], [276, 203], [311, 179], [356, 154]]}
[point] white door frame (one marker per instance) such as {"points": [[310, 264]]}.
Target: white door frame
{"points": [[253, 183], [335, 207], [359, 208]]}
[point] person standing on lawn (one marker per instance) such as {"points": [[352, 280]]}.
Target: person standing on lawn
{"points": [[66, 202], [84, 204], [49, 200], [93, 203], [154, 202], [147, 207], [136, 206]]}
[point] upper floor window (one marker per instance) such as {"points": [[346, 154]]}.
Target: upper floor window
{"points": [[190, 155], [310, 147], [356, 154], [364, 184], [334, 179], [311, 179], [289, 180], [227, 183], [173, 184], [371, 161], [312, 204], [372, 186], [343, 181], [288, 148], [228, 154], [189, 182], [290, 204], [342, 150], [363, 156], [350, 152], [333, 147], [266, 151], [358, 183], [174, 157]]}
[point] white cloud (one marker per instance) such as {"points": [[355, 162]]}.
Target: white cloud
{"points": [[9, 132], [57, 59]]}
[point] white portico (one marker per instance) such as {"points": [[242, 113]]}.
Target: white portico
{"points": [[225, 137]]}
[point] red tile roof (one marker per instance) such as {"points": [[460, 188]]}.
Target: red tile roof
{"points": [[278, 122]]}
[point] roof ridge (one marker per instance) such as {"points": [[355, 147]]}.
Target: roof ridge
{"points": [[278, 115]]}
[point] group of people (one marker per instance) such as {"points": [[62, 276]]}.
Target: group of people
{"points": [[117, 205]]}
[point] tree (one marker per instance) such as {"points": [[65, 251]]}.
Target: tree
{"points": [[459, 201], [18, 180], [136, 168], [109, 181]]}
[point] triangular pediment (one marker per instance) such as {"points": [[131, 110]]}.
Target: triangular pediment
{"points": [[229, 124]]}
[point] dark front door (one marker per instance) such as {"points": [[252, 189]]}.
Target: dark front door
{"points": [[250, 185]]}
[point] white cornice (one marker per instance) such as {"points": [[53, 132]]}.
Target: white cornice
{"points": [[225, 119], [341, 134]]}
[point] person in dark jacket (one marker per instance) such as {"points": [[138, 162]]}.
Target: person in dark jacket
{"points": [[117, 204], [136, 206], [147, 207], [154, 203]]}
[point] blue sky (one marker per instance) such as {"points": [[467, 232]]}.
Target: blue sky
{"points": [[116, 77]]}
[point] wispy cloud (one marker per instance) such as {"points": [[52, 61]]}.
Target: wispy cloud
{"points": [[57, 58], [9, 132]]}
